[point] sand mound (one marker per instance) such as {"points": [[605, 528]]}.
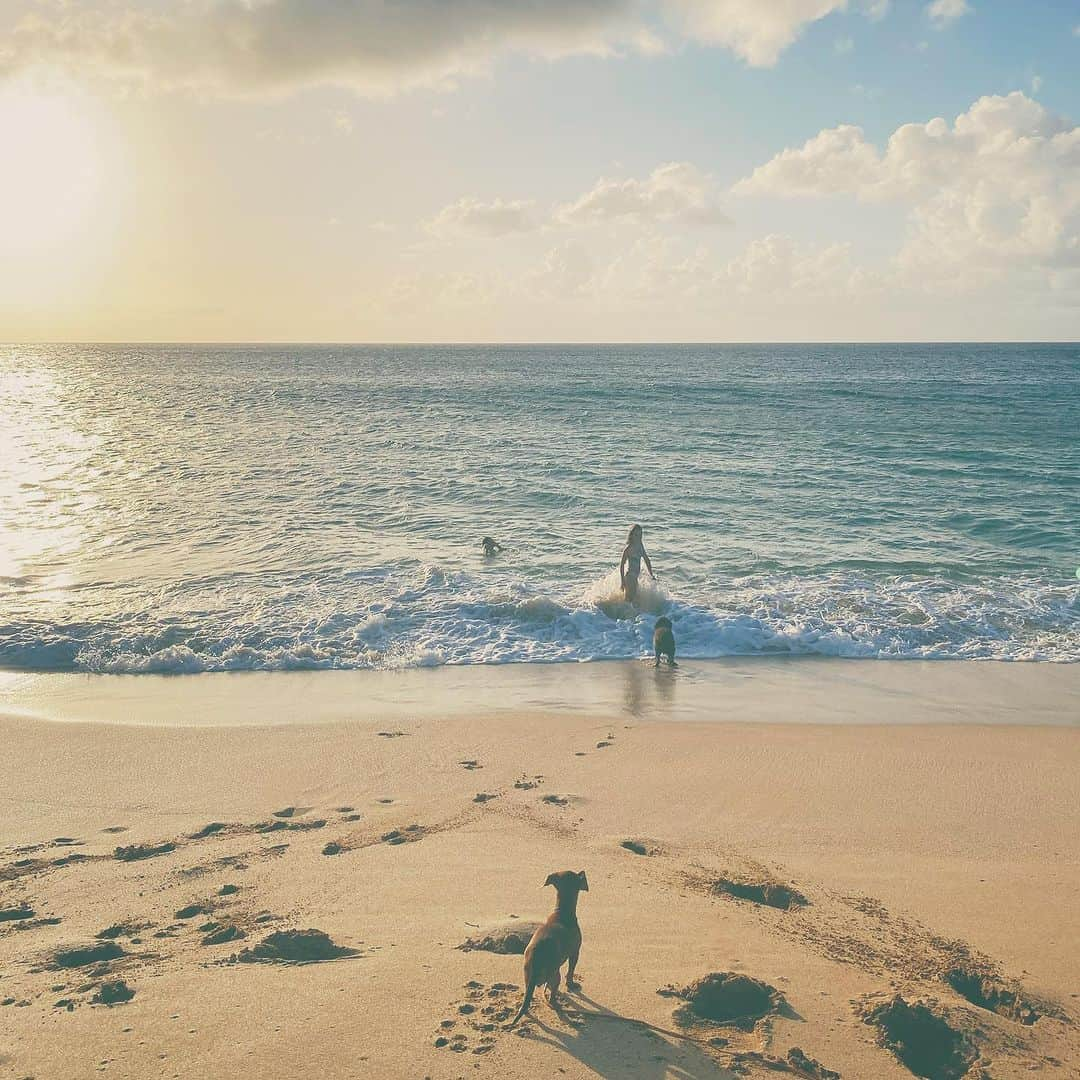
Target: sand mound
{"points": [[124, 929], [113, 993], [724, 997], [988, 992], [84, 955], [208, 830], [769, 893], [133, 852], [509, 940], [922, 1038], [294, 947]]}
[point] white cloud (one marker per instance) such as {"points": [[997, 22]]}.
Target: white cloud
{"points": [[943, 12], [252, 47], [843, 45], [496, 218], [876, 10], [756, 31], [567, 271], [1036, 83], [999, 189], [677, 192], [342, 122]]}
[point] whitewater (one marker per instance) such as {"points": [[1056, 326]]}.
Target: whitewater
{"points": [[186, 509]]}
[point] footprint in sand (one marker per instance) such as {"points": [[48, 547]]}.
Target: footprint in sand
{"points": [[555, 800], [527, 783], [392, 734], [483, 797], [410, 834], [115, 829], [482, 1015], [470, 764], [291, 811]]}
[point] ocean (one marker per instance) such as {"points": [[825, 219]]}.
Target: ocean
{"points": [[194, 508]]}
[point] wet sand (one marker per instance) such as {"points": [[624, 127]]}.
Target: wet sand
{"points": [[891, 850]]}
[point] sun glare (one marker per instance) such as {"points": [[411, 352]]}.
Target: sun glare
{"points": [[52, 169]]}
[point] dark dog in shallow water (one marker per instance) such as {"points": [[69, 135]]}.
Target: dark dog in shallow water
{"points": [[555, 942], [663, 641]]}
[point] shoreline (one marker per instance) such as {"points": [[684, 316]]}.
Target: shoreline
{"points": [[803, 690], [927, 828]]}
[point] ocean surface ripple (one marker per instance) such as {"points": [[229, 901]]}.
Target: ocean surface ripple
{"points": [[210, 508]]}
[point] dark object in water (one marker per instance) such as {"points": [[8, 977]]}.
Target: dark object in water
{"points": [[663, 640]]}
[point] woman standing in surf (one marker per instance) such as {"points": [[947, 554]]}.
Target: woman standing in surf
{"points": [[630, 564]]}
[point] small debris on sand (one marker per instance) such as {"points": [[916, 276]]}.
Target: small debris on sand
{"points": [[134, 852], [208, 830], [636, 846], [333, 848], [505, 940], [113, 993], [84, 955], [483, 797], [202, 908], [770, 893], [125, 929], [224, 934]]}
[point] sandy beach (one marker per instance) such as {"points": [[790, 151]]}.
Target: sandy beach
{"points": [[916, 861]]}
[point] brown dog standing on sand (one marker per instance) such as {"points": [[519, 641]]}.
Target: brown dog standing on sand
{"points": [[557, 941]]}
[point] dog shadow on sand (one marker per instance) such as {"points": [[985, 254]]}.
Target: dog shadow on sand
{"points": [[620, 1048]]}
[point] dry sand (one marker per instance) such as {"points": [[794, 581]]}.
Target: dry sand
{"points": [[935, 840]]}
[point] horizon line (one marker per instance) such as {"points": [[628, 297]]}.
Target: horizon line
{"points": [[521, 343]]}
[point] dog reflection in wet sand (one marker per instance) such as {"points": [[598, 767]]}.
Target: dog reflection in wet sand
{"points": [[557, 941]]}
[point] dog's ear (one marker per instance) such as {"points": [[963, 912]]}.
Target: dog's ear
{"points": [[584, 881], [550, 880]]}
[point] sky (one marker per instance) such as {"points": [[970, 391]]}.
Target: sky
{"points": [[539, 170]]}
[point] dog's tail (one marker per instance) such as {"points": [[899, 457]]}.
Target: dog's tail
{"points": [[529, 989]]}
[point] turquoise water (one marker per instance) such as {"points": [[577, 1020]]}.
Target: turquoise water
{"points": [[193, 508]]}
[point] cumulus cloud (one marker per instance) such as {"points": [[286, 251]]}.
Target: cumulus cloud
{"points": [[241, 46], [758, 32], [249, 47], [943, 12], [998, 187], [497, 218], [676, 192]]}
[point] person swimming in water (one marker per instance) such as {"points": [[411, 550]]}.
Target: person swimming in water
{"points": [[491, 547], [630, 564]]}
